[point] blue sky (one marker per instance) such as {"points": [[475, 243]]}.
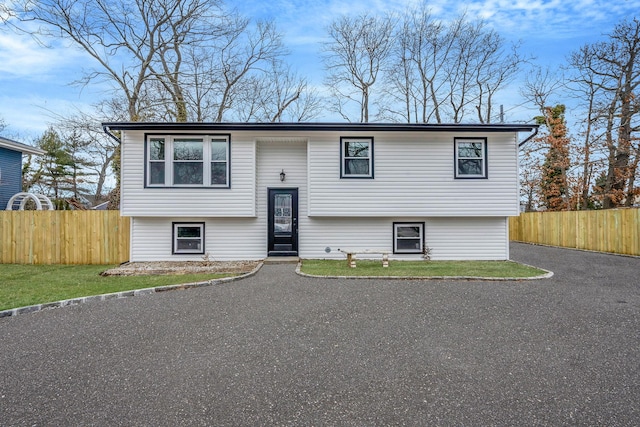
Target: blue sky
{"points": [[35, 82]]}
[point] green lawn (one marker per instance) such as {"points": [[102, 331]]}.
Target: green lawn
{"points": [[496, 269], [22, 285]]}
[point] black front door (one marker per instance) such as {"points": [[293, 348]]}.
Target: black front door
{"points": [[283, 221]]}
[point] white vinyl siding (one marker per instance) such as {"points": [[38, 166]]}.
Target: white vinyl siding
{"points": [[236, 201], [414, 183], [233, 238], [245, 238], [484, 238], [414, 176], [275, 155], [468, 238], [225, 239]]}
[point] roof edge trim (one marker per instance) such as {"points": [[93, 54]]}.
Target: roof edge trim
{"points": [[308, 126], [19, 146]]}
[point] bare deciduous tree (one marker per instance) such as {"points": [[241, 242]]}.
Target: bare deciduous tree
{"points": [[608, 73], [422, 47], [354, 57], [133, 42], [445, 72], [242, 53], [279, 96]]}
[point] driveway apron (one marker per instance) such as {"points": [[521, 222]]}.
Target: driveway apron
{"points": [[281, 349]]}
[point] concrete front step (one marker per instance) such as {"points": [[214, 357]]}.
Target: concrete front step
{"points": [[282, 260]]}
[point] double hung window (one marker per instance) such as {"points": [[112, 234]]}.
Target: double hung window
{"points": [[219, 161], [471, 158], [187, 161], [408, 237], [157, 163], [356, 155], [188, 238]]}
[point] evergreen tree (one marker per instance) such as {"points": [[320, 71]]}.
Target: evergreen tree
{"points": [[55, 168], [76, 145]]}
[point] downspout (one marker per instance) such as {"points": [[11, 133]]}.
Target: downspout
{"points": [[106, 130], [530, 137]]}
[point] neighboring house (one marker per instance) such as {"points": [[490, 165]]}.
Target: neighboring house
{"points": [[101, 207], [234, 191], [11, 167]]}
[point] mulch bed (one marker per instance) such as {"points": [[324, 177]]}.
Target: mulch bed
{"points": [[181, 267]]}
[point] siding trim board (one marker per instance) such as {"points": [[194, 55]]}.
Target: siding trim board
{"points": [[12, 145]]}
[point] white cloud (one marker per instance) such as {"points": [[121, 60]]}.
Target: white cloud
{"points": [[31, 114], [304, 21], [550, 19], [36, 82], [22, 56]]}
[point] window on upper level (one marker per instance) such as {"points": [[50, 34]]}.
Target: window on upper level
{"points": [[471, 158], [356, 157], [188, 161]]}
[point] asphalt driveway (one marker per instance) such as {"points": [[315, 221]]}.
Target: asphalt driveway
{"points": [[280, 349]]}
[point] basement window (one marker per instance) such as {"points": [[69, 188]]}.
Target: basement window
{"points": [[188, 238], [408, 237]]}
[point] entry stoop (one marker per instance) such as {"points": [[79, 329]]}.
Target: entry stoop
{"points": [[282, 260]]}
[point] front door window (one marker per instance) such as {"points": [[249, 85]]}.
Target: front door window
{"points": [[282, 218]]}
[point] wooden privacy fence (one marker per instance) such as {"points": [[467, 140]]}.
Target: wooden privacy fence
{"points": [[612, 230], [63, 237]]}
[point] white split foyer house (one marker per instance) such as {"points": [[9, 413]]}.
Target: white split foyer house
{"points": [[243, 191]]}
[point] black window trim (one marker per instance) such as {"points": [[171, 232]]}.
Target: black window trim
{"points": [[485, 163], [174, 226], [370, 139], [406, 223], [169, 162]]}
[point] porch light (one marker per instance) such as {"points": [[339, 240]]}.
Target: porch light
{"points": [[282, 175]]}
